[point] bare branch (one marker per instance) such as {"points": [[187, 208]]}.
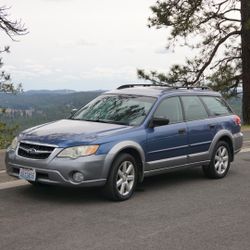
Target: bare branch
{"points": [[207, 63], [221, 3], [231, 19], [230, 10], [11, 28], [226, 59]]}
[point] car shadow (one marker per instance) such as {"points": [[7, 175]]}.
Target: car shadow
{"points": [[58, 194], [178, 177]]}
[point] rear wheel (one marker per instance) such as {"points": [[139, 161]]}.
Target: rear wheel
{"points": [[220, 162], [122, 179]]}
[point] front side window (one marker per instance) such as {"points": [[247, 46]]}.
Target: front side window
{"points": [[216, 105], [170, 109], [193, 108], [118, 109]]}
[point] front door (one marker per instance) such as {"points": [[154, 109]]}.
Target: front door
{"points": [[167, 145]]}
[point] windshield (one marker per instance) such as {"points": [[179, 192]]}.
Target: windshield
{"points": [[118, 109]]}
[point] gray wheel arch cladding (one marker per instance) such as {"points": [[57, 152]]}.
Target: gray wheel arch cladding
{"points": [[119, 147], [217, 138]]}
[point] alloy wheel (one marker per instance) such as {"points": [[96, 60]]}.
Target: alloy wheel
{"points": [[125, 178], [221, 160]]}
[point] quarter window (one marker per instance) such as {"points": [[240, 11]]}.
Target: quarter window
{"points": [[216, 106], [170, 108], [194, 108]]}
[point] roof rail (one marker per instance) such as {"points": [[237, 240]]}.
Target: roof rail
{"points": [[194, 87], [142, 85], [162, 85]]}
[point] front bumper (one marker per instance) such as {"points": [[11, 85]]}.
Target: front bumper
{"points": [[59, 171]]}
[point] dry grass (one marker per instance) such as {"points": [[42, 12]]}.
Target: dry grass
{"points": [[245, 128]]}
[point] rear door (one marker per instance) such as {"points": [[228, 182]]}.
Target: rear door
{"points": [[167, 145], [201, 128]]}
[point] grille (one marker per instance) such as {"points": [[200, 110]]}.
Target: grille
{"points": [[34, 151]]}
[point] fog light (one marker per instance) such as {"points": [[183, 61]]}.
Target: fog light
{"points": [[78, 177]]}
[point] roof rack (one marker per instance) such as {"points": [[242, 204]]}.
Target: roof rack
{"points": [[194, 87], [126, 86], [162, 85]]}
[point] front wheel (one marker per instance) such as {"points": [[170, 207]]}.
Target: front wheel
{"points": [[220, 162], [122, 179]]}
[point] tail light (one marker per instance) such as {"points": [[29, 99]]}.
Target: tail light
{"points": [[237, 120]]}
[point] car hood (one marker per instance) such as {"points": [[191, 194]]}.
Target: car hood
{"points": [[66, 133]]}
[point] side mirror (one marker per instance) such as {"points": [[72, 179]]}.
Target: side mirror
{"points": [[72, 112], [157, 121]]}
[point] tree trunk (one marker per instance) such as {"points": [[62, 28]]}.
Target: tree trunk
{"points": [[245, 39]]}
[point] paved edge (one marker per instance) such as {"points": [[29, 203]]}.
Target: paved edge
{"points": [[11, 184], [244, 150], [245, 129]]}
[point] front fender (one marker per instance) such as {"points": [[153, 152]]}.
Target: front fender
{"points": [[117, 149]]}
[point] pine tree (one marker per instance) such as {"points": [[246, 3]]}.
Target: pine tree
{"points": [[218, 32], [11, 29]]}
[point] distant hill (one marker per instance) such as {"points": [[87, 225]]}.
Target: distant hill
{"points": [[45, 91], [42, 99], [35, 107]]}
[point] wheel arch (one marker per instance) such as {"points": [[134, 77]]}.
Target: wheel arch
{"points": [[130, 147], [223, 135]]}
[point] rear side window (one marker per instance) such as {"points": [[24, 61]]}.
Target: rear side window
{"points": [[216, 105], [194, 108], [170, 108]]}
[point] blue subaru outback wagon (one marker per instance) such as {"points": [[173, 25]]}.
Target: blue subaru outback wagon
{"points": [[127, 134]]}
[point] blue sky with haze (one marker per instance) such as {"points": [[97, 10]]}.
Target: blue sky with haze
{"points": [[84, 45]]}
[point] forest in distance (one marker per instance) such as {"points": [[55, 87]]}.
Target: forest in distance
{"points": [[36, 107]]}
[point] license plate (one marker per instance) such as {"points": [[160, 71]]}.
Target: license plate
{"points": [[27, 174]]}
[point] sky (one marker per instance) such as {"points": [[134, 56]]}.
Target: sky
{"points": [[85, 44]]}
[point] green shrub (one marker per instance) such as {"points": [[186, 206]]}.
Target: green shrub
{"points": [[6, 135]]}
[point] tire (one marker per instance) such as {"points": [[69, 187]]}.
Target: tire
{"points": [[220, 161], [122, 179]]}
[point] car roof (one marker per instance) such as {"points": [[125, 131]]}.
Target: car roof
{"points": [[159, 90]]}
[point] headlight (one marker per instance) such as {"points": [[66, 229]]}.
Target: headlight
{"points": [[75, 152], [14, 144]]}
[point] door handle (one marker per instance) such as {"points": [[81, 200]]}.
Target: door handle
{"points": [[211, 125], [182, 131]]}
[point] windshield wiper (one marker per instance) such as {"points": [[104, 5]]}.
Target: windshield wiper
{"points": [[100, 120], [109, 121], [115, 122], [96, 120]]}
